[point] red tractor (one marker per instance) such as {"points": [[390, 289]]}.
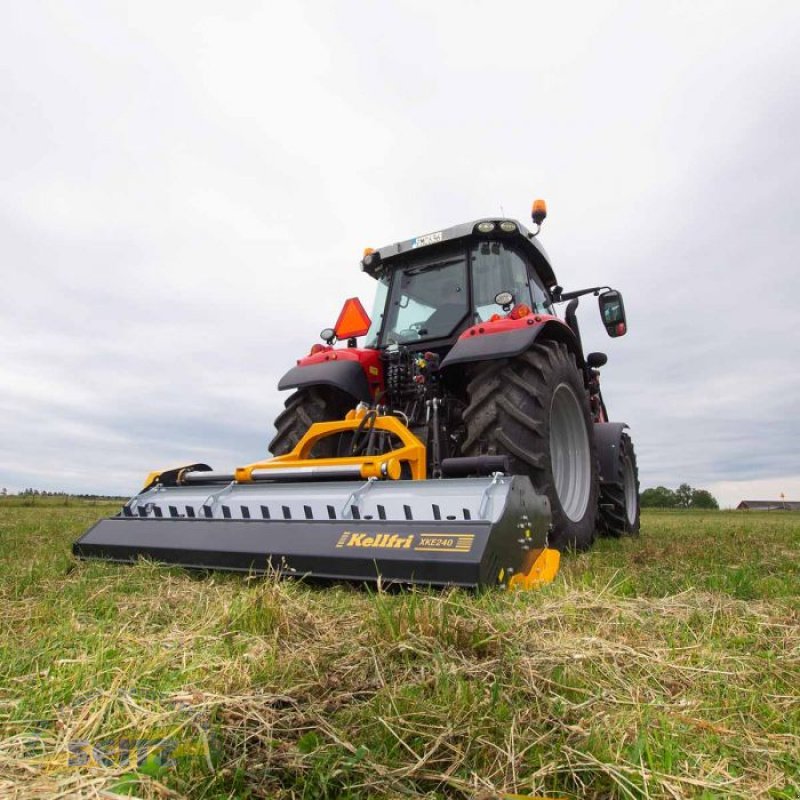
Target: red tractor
{"points": [[464, 444], [466, 348]]}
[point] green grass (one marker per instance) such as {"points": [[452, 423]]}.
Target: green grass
{"points": [[666, 666]]}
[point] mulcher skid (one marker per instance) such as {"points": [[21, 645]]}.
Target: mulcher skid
{"points": [[348, 518]]}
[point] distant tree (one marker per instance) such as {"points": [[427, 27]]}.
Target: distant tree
{"points": [[703, 499], [660, 497], [683, 495]]}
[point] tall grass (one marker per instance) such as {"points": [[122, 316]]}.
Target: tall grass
{"points": [[666, 666]]}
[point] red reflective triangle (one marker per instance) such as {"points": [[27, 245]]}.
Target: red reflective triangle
{"points": [[353, 320]]}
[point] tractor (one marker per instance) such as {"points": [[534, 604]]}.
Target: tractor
{"points": [[465, 346], [465, 442]]}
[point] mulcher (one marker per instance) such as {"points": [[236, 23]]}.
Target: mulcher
{"points": [[465, 443]]}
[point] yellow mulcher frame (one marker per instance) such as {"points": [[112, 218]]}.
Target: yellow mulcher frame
{"points": [[387, 465]]}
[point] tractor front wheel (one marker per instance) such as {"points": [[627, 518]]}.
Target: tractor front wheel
{"points": [[619, 498], [302, 409], [534, 409]]}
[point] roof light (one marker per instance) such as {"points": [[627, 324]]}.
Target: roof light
{"points": [[508, 227], [485, 227], [353, 320], [370, 256], [539, 211]]}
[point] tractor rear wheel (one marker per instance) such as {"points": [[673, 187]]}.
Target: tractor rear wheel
{"points": [[534, 409], [302, 409], [619, 498]]}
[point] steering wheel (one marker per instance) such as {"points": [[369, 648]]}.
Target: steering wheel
{"points": [[412, 331]]}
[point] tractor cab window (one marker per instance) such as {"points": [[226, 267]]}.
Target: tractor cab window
{"points": [[495, 269], [427, 300], [541, 300], [378, 310]]}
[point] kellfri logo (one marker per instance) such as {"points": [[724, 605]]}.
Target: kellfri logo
{"points": [[385, 541]]}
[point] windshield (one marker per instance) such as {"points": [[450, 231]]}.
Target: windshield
{"points": [[428, 300], [434, 298]]}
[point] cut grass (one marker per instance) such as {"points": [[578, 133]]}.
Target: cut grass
{"points": [[667, 666]]}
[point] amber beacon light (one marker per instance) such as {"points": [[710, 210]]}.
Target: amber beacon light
{"points": [[539, 211]]}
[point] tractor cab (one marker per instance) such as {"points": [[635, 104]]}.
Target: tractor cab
{"points": [[432, 288]]}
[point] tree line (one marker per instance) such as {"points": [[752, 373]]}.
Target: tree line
{"points": [[683, 497], [32, 493]]}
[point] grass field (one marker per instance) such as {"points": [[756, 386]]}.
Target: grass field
{"points": [[667, 666]]}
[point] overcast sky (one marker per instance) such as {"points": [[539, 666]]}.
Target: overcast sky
{"points": [[186, 189]]}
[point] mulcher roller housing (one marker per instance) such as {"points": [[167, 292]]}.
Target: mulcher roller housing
{"points": [[471, 532]]}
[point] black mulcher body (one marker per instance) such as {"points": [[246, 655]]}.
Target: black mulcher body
{"points": [[466, 442]]}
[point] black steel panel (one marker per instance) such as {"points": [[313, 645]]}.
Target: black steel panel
{"points": [[346, 375], [507, 344], [432, 552]]}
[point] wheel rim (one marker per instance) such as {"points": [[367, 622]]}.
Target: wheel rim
{"points": [[569, 453], [629, 484]]}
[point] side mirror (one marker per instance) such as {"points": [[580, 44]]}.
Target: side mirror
{"points": [[612, 312], [596, 360]]}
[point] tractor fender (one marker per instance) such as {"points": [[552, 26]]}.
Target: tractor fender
{"points": [[607, 436], [506, 338], [345, 375]]}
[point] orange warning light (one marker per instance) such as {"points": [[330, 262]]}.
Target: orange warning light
{"points": [[539, 211], [353, 320]]}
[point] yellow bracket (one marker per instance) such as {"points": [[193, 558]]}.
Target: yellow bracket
{"points": [[388, 465], [543, 570]]}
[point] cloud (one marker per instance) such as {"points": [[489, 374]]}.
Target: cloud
{"points": [[186, 193]]}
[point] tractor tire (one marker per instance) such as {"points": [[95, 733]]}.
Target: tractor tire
{"points": [[619, 498], [302, 409], [534, 408]]}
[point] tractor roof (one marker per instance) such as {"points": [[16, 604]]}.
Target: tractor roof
{"points": [[388, 257]]}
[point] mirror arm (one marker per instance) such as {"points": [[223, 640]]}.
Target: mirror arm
{"points": [[563, 296]]}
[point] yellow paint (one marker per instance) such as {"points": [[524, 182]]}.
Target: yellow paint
{"points": [[383, 541], [152, 478], [387, 465], [543, 570]]}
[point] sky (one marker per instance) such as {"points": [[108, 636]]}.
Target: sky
{"points": [[186, 189]]}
